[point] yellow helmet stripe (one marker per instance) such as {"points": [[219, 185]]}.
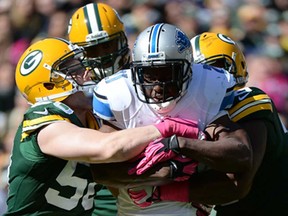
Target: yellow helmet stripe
{"points": [[92, 16], [196, 46]]}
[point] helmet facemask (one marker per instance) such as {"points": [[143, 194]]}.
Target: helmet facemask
{"points": [[161, 83], [221, 61], [227, 63], [161, 66], [73, 67], [108, 55]]}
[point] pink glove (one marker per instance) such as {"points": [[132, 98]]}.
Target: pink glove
{"points": [[176, 191], [165, 149], [182, 168], [142, 196], [147, 195], [180, 127], [156, 152]]}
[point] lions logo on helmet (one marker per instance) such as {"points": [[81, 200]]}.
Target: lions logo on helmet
{"points": [[182, 41]]}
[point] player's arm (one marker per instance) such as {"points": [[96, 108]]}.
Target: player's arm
{"points": [[116, 175], [214, 187], [227, 148], [68, 141]]}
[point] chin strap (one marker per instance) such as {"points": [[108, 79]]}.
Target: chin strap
{"points": [[87, 88], [59, 95]]}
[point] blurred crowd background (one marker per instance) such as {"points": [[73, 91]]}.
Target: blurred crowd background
{"points": [[259, 26]]}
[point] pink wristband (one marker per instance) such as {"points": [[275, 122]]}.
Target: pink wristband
{"points": [[176, 191]]}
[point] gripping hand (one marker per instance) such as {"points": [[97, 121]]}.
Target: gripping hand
{"points": [[156, 152], [147, 195], [143, 196], [180, 127], [182, 168]]}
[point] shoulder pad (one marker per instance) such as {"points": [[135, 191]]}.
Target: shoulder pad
{"points": [[44, 113], [248, 101], [112, 94]]}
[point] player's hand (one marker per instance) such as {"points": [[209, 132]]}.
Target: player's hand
{"points": [[180, 127], [156, 152], [182, 168], [147, 195], [143, 196]]}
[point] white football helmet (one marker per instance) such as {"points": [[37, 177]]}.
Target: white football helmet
{"points": [[161, 58]]}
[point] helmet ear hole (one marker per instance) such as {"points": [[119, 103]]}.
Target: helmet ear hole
{"points": [[49, 86]]}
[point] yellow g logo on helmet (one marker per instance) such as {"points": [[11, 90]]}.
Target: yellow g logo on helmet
{"points": [[31, 62], [226, 39], [221, 51], [35, 76]]}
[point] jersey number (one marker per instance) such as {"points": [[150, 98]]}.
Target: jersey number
{"points": [[66, 178]]}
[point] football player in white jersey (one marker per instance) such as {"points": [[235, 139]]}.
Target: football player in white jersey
{"points": [[162, 83]]}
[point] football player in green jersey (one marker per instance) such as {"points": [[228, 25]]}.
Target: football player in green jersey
{"points": [[265, 184], [49, 172], [98, 28]]}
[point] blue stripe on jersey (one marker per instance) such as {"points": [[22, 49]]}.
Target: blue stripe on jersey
{"points": [[154, 38], [211, 68], [102, 109], [227, 100]]}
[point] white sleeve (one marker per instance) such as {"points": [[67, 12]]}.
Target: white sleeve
{"points": [[101, 106], [213, 84], [112, 98]]}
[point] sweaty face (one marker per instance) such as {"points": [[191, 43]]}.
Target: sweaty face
{"points": [[73, 68], [161, 83], [103, 52]]}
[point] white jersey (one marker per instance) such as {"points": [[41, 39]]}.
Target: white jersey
{"points": [[207, 97]]}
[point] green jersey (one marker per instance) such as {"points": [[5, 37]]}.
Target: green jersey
{"points": [[105, 203], [40, 184], [269, 192]]}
